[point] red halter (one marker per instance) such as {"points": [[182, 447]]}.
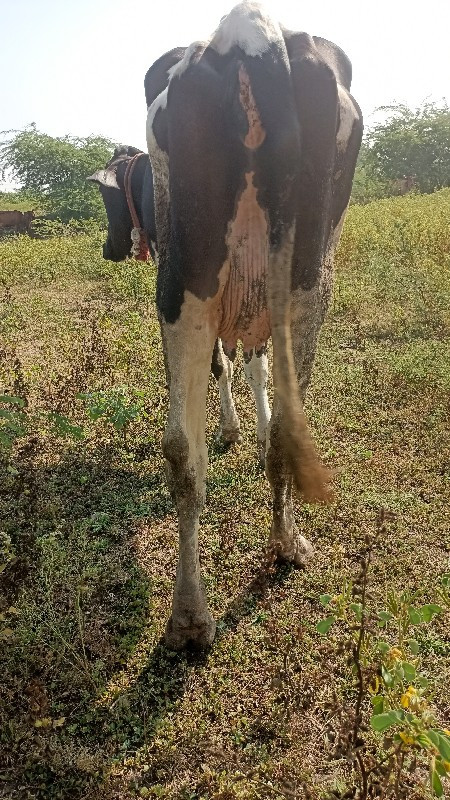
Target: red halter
{"points": [[139, 247]]}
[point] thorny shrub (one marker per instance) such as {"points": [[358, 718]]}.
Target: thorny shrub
{"points": [[385, 661]]}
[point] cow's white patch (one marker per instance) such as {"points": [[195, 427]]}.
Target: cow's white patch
{"points": [[189, 346], [229, 420], [249, 26], [181, 66], [256, 372], [158, 102], [348, 116]]}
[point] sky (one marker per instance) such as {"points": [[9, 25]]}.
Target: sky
{"points": [[77, 66]]}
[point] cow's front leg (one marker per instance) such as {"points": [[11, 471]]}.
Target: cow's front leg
{"points": [[189, 347], [222, 369], [256, 371]]}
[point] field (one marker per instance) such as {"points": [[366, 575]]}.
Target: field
{"points": [[93, 705]]}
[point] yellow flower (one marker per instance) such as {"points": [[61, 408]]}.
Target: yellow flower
{"points": [[404, 700], [395, 654], [409, 696], [406, 739]]}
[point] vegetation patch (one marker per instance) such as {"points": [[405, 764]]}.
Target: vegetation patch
{"points": [[328, 683]]}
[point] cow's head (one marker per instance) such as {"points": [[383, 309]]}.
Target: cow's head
{"points": [[111, 184]]}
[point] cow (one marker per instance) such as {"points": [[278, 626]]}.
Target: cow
{"points": [[253, 138], [405, 184], [16, 221], [119, 245]]}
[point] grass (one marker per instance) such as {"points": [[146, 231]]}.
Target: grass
{"points": [[92, 704]]}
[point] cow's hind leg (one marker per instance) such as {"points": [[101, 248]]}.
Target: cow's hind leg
{"points": [[222, 369], [189, 344], [256, 371], [308, 310]]}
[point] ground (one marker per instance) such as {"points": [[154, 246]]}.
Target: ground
{"points": [[93, 705]]}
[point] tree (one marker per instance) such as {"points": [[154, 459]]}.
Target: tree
{"points": [[408, 143], [368, 185], [54, 169]]}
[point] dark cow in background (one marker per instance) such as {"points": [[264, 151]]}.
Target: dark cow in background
{"points": [[120, 224], [15, 221], [253, 138]]}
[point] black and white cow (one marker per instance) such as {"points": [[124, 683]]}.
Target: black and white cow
{"points": [[253, 146]]}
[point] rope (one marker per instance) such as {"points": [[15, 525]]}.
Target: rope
{"points": [[139, 244]]}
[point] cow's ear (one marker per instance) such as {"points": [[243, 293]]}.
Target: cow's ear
{"points": [[104, 177]]}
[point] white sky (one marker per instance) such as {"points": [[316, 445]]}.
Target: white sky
{"points": [[77, 66]]}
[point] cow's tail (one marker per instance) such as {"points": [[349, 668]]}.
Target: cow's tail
{"points": [[282, 143], [310, 477]]}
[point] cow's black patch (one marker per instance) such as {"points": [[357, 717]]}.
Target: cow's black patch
{"points": [[157, 78], [204, 127], [326, 176]]}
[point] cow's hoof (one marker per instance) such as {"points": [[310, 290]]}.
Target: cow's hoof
{"points": [[297, 551], [178, 637], [229, 436]]}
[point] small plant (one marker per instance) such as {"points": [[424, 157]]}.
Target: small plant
{"points": [[12, 420], [63, 427], [114, 406], [388, 675]]}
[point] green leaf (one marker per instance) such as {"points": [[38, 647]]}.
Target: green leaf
{"points": [[384, 617], [423, 741], [445, 580], [357, 610], [325, 624], [325, 599], [441, 742], [380, 722], [415, 617], [386, 675], [409, 671], [5, 440], [440, 769], [413, 645], [378, 704], [62, 426], [428, 611], [16, 401], [384, 647], [436, 784]]}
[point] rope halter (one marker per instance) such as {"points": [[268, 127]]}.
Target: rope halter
{"points": [[139, 244]]}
